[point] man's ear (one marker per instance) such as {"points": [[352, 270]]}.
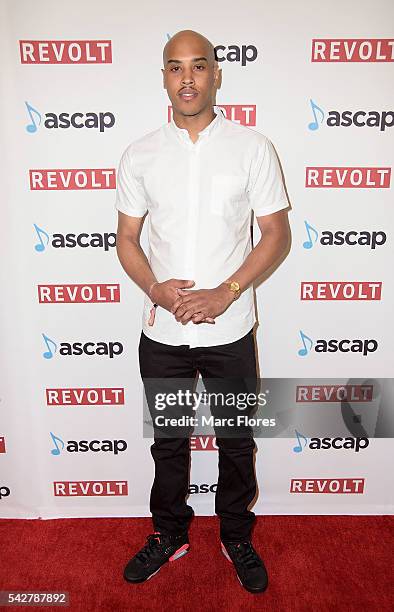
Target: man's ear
{"points": [[164, 77], [217, 76]]}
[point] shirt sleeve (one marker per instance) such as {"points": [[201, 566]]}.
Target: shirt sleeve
{"points": [[130, 195], [266, 193]]}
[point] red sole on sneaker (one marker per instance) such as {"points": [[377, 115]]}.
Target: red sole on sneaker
{"points": [[180, 552], [177, 555]]}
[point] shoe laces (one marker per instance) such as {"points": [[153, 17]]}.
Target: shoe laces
{"points": [[246, 554], [154, 542]]}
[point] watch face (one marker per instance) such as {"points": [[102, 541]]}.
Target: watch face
{"points": [[235, 286]]}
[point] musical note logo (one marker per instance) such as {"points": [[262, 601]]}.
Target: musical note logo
{"points": [[49, 354], [304, 351], [55, 440], [308, 244], [314, 124], [32, 127], [299, 447], [40, 232]]}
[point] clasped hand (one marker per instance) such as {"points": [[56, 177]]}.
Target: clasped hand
{"points": [[198, 306]]}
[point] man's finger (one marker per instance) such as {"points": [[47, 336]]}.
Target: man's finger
{"points": [[186, 297], [180, 312], [186, 291], [179, 283], [193, 305], [176, 304], [203, 318], [187, 316]]}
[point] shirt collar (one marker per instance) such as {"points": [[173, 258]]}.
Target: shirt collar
{"points": [[183, 134]]}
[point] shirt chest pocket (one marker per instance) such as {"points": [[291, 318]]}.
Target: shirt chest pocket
{"points": [[228, 195]]}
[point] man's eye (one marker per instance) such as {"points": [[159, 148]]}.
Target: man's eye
{"points": [[200, 66]]}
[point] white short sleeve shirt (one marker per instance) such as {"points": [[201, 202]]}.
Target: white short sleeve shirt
{"points": [[199, 197]]}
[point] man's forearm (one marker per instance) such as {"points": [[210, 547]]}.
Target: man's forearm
{"points": [[134, 262], [266, 252]]}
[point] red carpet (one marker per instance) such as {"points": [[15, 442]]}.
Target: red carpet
{"points": [[314, 563]]}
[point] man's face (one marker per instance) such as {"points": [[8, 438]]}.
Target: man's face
{"points": [[189, 76]]}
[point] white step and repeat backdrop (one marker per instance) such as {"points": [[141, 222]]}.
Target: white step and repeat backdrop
{"points": [[80, 81]]}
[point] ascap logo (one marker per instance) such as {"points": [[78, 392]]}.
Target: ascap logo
{"points": [[73, 178], [84, 446], [355, 444], [70, 241], [342, 237], [67, 349], [244, 114], [363, 347], [88, 396], [327, 485], [341, 290], [359, 118], [4, 492], [346, 177], [90, 488], [202, 488], [78, 294], [233, 53], [352, 50], [334, 393], [65, 51], [52, 121]]}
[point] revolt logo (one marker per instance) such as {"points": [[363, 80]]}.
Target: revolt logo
{"points": [[65, 51], [346, 177], [359, 118], [78, 294], [352, 50], [71, 241], [90, 488], [244, 114], [52, 121], [341, 290], [327, 485], [203, 443], [72, 178], [334, 393], [371, 239], [355, 444], [66, 349], [84, 446], [362, 347], [85, 396]]}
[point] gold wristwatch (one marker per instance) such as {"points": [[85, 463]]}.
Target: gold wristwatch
{"points": [[234, 287]]}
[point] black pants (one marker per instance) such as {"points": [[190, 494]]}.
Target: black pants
{"points": [[236, 487]]}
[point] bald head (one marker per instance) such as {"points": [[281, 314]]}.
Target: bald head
{"points": [[184, 40]]}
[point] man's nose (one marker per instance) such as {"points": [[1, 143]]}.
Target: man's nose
{"points": [[187, 77]]}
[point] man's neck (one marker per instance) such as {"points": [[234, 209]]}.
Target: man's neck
{"points": [[195, 123]]}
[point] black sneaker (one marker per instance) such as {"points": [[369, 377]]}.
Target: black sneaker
{"points": [[250, 568], [158, 549]]}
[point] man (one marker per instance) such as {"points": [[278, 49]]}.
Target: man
{"points": [[199, 177]]}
